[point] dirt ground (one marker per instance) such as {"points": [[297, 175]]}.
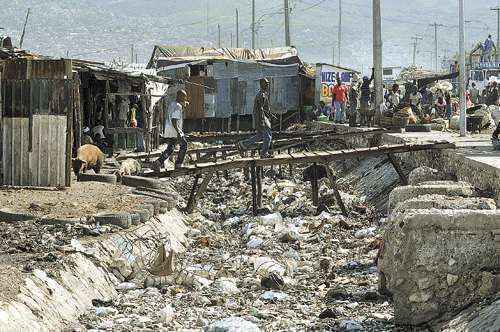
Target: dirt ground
{"points": [[34, 244], [80, 200]]}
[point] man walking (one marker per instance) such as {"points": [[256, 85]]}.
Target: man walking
{"points": [[365, 112], [488, 47], [261, 115], [173, 131], [339, 94], [353, 105]]}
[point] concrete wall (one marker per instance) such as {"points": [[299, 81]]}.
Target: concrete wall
{"points": [[52, 303]]}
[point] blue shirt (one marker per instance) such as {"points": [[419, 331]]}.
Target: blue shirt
{"points": [[488, 44]]}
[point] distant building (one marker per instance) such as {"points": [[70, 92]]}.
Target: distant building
{"points": [[391, 74], [326, 78]]}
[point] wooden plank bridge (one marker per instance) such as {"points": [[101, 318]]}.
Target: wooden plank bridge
{"points": [[255, 166], [281, 141]]}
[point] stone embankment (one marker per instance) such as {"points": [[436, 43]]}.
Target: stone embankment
{"points": [[441, 249]]}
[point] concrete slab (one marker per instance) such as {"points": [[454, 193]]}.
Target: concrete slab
{"points": [[446, 188], [436, 262], [446, 202]]}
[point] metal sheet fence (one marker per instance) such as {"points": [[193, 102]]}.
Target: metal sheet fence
{"points": [[44, 165], [36, 96]]}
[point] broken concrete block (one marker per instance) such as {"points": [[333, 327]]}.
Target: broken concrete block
{"points": [[446, 188], [424, 174], [437, 262], [446, 202], [478, 318]]}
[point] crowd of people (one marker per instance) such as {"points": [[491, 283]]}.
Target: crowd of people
{"points": [[354, 104]]}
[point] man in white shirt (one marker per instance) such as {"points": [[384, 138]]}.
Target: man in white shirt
{"points": [[173, 131]]}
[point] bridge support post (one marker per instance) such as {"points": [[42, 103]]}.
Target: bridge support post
{"points": [[192, 196], [260, 171], [397, 166], [315, 186], [253, 176]]}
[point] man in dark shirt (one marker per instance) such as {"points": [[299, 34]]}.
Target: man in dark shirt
{"points": [[496, 132], [261, 115], [493, 94], [365, 112]]}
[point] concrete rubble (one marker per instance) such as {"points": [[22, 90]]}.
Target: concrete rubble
{"points": [[440, 251]]}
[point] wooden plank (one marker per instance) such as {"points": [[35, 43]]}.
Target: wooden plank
{"points": [[192, 196], [281, 135], [69, 133], [336, 193], [253, 175], [302, 158], [259, 187], [24, 165], [17, 150], [7, 151], [397, 166], [204, 185], [314, 186], [42, 146]]}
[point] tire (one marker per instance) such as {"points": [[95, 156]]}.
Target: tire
{"points": [[104, 178], [123, 220], [139, 181], [135, 218]]}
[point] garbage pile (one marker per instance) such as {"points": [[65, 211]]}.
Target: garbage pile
{"points": [[291, 268]]}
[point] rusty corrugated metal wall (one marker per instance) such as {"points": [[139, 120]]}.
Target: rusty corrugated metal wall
{"points": [[37, 105]]}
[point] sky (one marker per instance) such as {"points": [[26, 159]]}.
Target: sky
{"points": [[106, 29]]}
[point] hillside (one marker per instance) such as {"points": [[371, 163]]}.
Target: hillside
{"points": [[106, 29]]}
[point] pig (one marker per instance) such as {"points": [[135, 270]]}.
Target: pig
{"points": [[129, 167], [88, 156]]}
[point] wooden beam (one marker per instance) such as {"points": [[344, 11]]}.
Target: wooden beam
{"points": [[192, 196], [397, 166], [333, 185], [253, 175], [69, 130], [279, 135], [304, 158], [259, 186], [204, 185], [315, 186]]}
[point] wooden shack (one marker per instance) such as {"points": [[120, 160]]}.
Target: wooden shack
{"points": [[36, 111]]}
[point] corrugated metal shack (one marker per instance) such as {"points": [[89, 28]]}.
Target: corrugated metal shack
{"points": [[107, 98], [227, 81], [36, 117]]}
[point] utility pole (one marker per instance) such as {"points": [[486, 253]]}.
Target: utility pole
{"points": [[253, 24], [340, 32], [377, 54], [497, 9], [415, 43], [461, 64], [237, 29], [287, 24], [435, 25], [132, 54], [218, 36], [231, 40], [24, 28], [208, 16]]}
